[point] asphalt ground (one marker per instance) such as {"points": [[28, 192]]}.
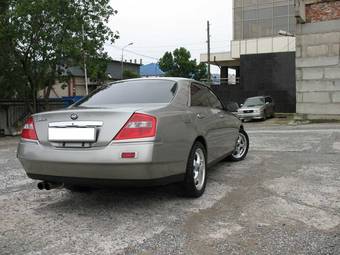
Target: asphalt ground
{"points": [[284, 198]]}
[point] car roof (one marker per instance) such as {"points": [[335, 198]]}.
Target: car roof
{"points": [[258, 97], [179, 80], [176, 79]]}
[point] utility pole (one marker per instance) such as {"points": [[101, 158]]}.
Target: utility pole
{"points": [[122, 60], [208, 42], [84, 56]]}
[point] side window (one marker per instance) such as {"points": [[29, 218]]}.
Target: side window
{"points": [[199, 95], [268, 100], [214, 102]]}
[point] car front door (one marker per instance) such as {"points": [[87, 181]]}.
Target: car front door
{"points": [[226, 129], [204, 119]]}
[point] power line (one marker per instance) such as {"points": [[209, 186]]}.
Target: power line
{"points": [[171, 45], [133, 52], [142, 55], [179, 44], [151, 48], [203, 49]]}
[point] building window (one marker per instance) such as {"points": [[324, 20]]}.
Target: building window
{"points": [[249, 3], [262, 18], [280, 11], [265, 27], [250, 14], [266, 13], [237, 14], [238, 3], [238, 30], [280, 23]]}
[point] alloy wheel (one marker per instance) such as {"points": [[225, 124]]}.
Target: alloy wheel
{"points": [[241, 146], [199, 168]]}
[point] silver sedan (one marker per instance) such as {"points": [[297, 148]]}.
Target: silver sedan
{"points": [[133, 132], [260, 107]]}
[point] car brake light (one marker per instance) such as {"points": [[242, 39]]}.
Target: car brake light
{"points": [[138, 126], [28, 131]]}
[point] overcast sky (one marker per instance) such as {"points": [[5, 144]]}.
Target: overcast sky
{"points": [[156, 26]]}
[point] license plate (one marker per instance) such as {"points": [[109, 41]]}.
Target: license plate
{"points": [[72, 134]]}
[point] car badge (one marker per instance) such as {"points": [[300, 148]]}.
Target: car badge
{"points": [[74, 116], [39, 119]]}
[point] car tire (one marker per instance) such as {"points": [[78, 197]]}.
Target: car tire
{"points": [[196, 171], [264, 115], [241, 147]]}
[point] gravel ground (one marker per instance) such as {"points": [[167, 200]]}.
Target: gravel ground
{"points": [[283, 199]]}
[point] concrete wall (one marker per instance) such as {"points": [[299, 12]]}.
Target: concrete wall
{"points": [[59, 90], [262, 45], [271, 74], [318, 69], [56, 91], [114, 69]]}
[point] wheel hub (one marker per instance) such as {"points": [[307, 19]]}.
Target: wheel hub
{"points": [[199, 168], [241, 146]]}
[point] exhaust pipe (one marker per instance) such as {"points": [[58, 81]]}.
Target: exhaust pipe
{"points": [[49, 185], [41, 185]]}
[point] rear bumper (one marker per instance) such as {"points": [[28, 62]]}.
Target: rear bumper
{"points": [[105, 163], [95, 182]]}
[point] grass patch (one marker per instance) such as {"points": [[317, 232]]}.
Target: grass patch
{"points": [[320, 121]]}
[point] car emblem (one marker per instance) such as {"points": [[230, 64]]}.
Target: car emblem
{"points": [[39, 119], [74, 116]]}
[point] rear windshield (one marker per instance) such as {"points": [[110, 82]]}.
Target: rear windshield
{"points": [[131, 92]]}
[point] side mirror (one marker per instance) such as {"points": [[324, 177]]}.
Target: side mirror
{"points": [[267, 102]]}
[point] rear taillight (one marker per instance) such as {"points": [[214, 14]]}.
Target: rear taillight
{"points": [[138, 126], [28, 131]]}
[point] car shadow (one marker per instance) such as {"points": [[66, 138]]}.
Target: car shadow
{"points": [[119, 199], [255, 121], [95, 200]]}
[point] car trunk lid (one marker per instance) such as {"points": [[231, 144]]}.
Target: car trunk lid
{"points": [[74, 127]]}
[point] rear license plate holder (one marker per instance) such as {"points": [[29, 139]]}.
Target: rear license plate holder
{"points": [[71, 134]]}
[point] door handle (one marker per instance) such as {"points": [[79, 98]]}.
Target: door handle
{"points": [[221, 115], [200, 116]]}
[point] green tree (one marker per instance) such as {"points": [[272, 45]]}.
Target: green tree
{"points": [[127, 74], [11, 77], [201, 71], [41, 35], [180, 64], [97, 68]]}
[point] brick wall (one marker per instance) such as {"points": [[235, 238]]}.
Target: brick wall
{"points": [[322, 10]]}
